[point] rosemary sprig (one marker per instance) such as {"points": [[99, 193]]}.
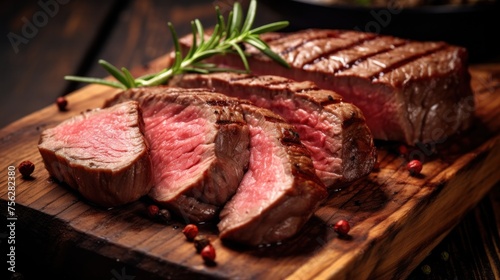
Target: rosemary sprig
{"points": [[227, 36]]}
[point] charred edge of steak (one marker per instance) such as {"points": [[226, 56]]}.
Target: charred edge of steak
{"points": [[299, 194], [359, 153], [199, 198]]}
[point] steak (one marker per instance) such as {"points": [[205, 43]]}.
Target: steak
{"points": [[335, 132], [279, 192], [409, 91], [199, 148], [101, 153]]}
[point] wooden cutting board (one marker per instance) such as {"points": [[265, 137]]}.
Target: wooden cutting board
{"points": [[396, 218]]}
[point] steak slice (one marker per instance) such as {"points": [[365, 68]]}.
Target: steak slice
{"points": [[102, 154], [279, 192], [199, 148], [409, 91], [335, 132]]}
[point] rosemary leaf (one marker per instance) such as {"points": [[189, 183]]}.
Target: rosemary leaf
{"points": [[236, 20], [91, 80], [193, 42], [114, 72], [129, 77], [271, 27], [221, 23], [214, 39], [250, 17], [242, 56]]}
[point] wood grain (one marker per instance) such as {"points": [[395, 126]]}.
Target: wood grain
{"points": [[396, 219], [56, 45]]}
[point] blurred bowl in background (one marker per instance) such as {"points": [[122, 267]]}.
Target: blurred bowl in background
{"points": [[474, 26]]}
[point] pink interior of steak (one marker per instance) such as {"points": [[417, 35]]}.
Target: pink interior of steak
{"points": [[316, 133], [181, 141], [92, 140], [264, 181], [379, 104]]}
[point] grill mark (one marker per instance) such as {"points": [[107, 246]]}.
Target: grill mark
{"points": [[290, 137], [228, 122], [273, 82], [220, 103], [313, 38], [272, 119], [407, 60], [351, 121], [330, 101], [250, 79], [184, 91], [273, 37], [270, 82], [237, 79], [318, 58], [367, 56], [309, 89], [283, 38]]}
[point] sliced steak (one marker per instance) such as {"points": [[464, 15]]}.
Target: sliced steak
{"points": [[199, 148], [335, 132], [279, 192], [102, 154], [408, 91]]}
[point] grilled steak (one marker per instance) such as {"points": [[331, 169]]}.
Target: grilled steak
{"points": [[100, 153], [408, 91], [199, 148], [279, 192], [335, 132]]}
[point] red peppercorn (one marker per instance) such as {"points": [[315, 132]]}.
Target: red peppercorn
{"points": [[153, 211], [26, 168], [200, 242], [190, 231], [61, 103], [342, 227], [403, 150], [208, 253], [414, 166]]}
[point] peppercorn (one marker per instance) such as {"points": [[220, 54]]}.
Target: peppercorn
{"points": [[61, 103], [153, 211], [164, 215], [426, 269], [200, 241], [403, 150], [445, 256], [342, 227], [190, 231], [26, 168], [414, 166], [208, 253]]}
